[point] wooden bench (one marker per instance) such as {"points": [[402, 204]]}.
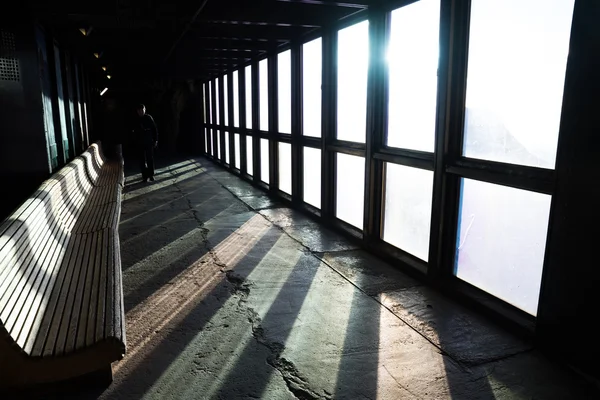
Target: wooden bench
{"points": [[61, 301]]}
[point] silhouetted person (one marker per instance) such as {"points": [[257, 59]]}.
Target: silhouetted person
{"points": [[145, 140]]}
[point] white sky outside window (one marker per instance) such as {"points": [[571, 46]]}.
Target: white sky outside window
{"points": [[284, 91], [353, 65], [227, 147], [312, 69], [204, 100], [226, 99], [413, 58], [264, 160], [408, 199], [236, 99], [217, 105], [501, 241], [206, 140], [350, 189], [312, 176], [236, 143], [263, 90], [249, 165], [210, 98], [285, 167], [248, 77], [218, 155], [517, 61]]}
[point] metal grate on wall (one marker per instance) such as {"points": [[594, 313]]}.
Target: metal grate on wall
{"points": [[9, 63]]}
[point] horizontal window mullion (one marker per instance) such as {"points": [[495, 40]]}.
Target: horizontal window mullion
{"points": [[309, 141], [346, 150], [516, 176], [406, 158]]}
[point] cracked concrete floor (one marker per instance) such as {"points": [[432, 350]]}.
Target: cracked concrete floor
{"points": [[230, 295]]}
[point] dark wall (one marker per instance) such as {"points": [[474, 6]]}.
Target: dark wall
{"points": [[24, 160], [570, 301]]}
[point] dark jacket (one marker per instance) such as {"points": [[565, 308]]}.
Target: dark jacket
{"points": [[145, 130]]}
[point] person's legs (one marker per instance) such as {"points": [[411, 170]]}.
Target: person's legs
{"points": [[143, 169], [150, 162]]}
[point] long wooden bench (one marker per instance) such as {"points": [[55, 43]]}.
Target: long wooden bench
{"points": [[61, 301]]}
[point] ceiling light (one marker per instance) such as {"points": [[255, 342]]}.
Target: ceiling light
{"points": [[98, 55], [86, 32], [108, 76], [103, 68], [103, 91], [83, 31]]}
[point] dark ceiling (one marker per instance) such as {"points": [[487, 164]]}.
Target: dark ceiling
{"points": [[187, 39]]}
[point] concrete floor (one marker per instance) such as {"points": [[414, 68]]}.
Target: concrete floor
{"points": [[230, 295]]}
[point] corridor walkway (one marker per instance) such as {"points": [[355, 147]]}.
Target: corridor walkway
{"points": [[230, 295]]}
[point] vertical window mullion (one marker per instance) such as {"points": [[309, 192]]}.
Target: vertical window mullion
{"points": [[328, 124], [297, 149]]}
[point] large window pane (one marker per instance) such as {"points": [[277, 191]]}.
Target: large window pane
{"points": [[285, 167], [264, 160], [353, 65], [217, 104], [517, 60], [350, 189], [408, 197], [248, 77], [225, 100], [312, 76], [210, 102], [413, 55], [206, 140], [218, 145], [284, 91], [204, 102], [501, 241], [227, 147], [312, 176], [263, 81], [249, 165], [236, 143], [236, 99]]}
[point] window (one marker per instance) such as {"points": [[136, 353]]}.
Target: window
{"points": [[501, 241], [264, 160], [236, 142], [515, 80], [226, 100], [407, 219], [218, 146], [236, 99], [350, 189], [285, 167], [263, 80], [217, 104], [353, 65], [204, 119], [248, 77], [227, 147], [311, 81], [206, 140], [249, 165], [209, 105], [284, 91], [312, 176], [413, 56], [214, 145]]}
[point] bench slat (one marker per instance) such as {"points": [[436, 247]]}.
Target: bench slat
{"points": [[80, 330], [102, 288]]}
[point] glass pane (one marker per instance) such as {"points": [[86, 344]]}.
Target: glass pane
{"points": [[264, 160], [206, 140], [312, 176], [248, 77], [236, 99], [263, 80], [225, 100], [350, 189], [204, 102], [353, 65], [407, 220], [249, 162], [515, 80], [218, 145], [413, 55], [284, 91], [501, 243], [210, 102], [312, 76], [285, 167], [236, 143], [227, 147], [213, 143], [217, 104]]}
